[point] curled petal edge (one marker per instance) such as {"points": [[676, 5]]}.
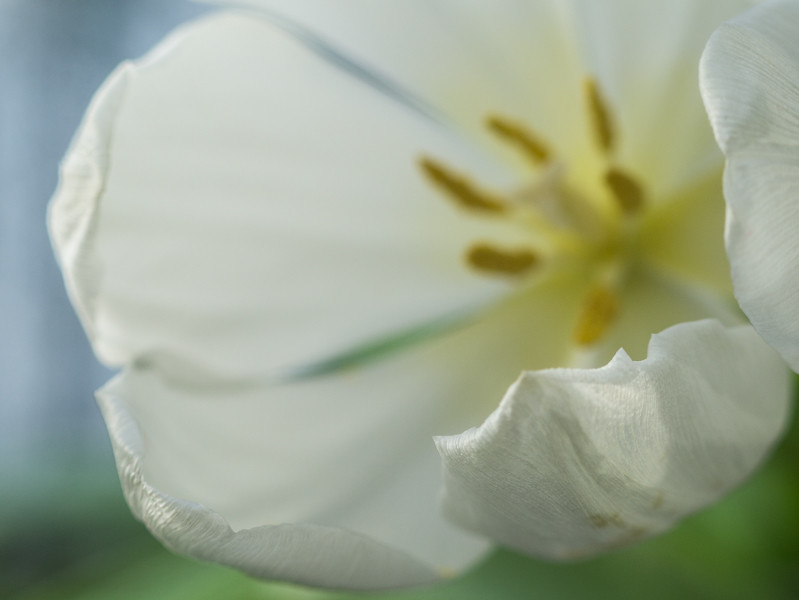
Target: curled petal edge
{"points": [[74, 212], [575, 462], [300, 553]]}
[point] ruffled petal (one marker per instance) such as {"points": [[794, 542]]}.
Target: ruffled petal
{"points": [[350, 451], [750, 84], [574, 462], [235, 201]]}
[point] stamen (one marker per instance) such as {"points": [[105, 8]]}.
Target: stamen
{"points": [[599, 311], [627, 191], [518, 134], [600, 116], [460, 188], [503, 262]]}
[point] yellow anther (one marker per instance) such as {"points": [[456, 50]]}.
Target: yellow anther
{"points": [[600, 116], [460, 188], [503, 262], [627, 191], [520, 136], [599, 311]]}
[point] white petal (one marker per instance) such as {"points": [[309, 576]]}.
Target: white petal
{"points": [[260, 209], [645, 55], [466, 59], [303, 553], [750, 84], [574, 462], [350, 451]]}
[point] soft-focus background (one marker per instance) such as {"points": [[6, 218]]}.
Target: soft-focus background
{"points": [[65, 532]]}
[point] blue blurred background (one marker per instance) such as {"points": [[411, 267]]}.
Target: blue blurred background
{"points": [[65, 531]]}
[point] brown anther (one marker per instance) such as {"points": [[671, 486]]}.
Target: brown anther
{"points": [[600, 116], [517, 134], [628, 192], [600, 309], [502, 262], [460, 188]]}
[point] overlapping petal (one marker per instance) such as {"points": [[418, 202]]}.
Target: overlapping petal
{"points": [[251, 223], [750, 84], [578, 461], [303, 552], [348, 452]]}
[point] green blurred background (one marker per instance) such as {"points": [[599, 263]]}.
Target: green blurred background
{"points": [[65, 531]]}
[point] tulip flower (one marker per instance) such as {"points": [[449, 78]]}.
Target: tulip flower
{"points": [[391, 283]]}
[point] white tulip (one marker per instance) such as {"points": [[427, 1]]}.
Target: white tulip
{"points": [[381, 279]]}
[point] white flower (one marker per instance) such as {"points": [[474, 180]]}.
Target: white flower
{"points": [[315, 239]]}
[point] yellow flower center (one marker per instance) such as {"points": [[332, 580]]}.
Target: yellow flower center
{"points": [[597, 229]]}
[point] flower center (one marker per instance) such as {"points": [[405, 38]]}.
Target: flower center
{"points": [[567, 226]]}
